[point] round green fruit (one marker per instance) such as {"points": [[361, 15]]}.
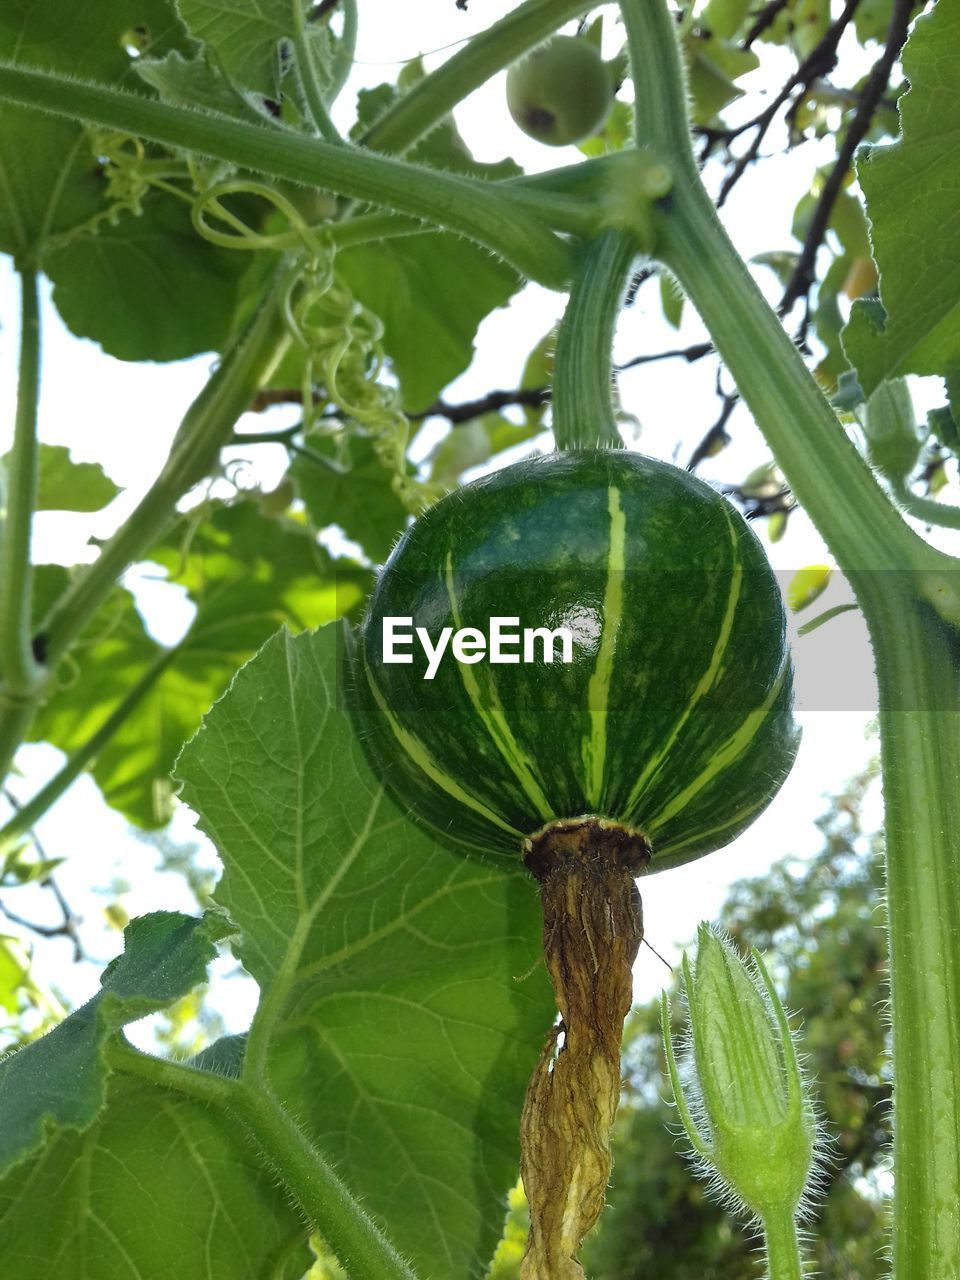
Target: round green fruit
{"points": [[561, 92], [672, 717]]}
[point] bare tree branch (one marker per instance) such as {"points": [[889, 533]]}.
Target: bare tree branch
{"points": [[717, 436], [691, 354], [802, 276], [820, 61], [492, 402], [764, 19]]}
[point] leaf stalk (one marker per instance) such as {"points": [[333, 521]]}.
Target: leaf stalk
{"points": [[20, 674]]}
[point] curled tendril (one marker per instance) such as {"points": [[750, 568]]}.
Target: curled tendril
{"points": [[339, 338]]}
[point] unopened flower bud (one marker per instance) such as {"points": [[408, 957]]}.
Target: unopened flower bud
{"points": [[744, 1106]]}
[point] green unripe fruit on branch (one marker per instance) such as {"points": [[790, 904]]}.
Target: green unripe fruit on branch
{"points": [[580, 659], [673, 717], [561, 92]]}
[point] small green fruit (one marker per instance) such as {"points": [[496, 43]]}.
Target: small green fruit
{"points": [[671, 713], [561, 92]]}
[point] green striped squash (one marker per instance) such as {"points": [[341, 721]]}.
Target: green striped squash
{"points": [[674, 715]]}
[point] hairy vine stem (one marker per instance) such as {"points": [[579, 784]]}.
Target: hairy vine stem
{"points": [[916, 656], [309, 80], [455, 203], [583, 414]]}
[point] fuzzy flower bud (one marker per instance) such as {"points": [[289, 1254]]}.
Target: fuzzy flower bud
{"points": [[743, 1106]]}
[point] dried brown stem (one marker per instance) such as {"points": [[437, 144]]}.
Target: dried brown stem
{"points": [[592, 929]]}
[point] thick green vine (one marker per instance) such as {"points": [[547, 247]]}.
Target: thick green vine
{"points": [[916, 658]]}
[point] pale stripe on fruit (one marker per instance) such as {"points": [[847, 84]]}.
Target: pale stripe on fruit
{"points": [[425, 762], [727, 754], [486, 702], [709, 678], [594, 750]]}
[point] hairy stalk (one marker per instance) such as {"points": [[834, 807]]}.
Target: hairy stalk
{"points": [[327, 1204], [446, 200], [31, 812], [204, 1086], [19, 672], [917, 660], [782, 1247], [325, 1200], [436, 95], [583, 414], [309, 80], [938, 513], [207, 426]]}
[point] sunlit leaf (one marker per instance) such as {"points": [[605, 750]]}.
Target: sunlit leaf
{"points": [[391, 967]]}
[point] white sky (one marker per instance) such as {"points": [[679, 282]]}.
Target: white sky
{"points": [[124, 416]]}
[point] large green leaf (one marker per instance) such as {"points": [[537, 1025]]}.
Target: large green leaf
{"points": [[913, 191], [160, 1188], [399, 1025], [244, 37], [59, 1080], [247, 575], [145, 286], [431, 292], [148, 287], [49, 180], [417, 286], [109, 1178]]}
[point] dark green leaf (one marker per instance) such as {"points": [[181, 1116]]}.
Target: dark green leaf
{"points": [[431, 292], [149, 288], [58, 1081], [244, 36], [48, 175], [160, 1187], [400, 1031], [355, 492]]}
